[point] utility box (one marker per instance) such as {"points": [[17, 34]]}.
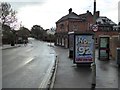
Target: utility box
{"points": [[118, 56]]}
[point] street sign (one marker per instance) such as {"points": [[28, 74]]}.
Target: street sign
{"points": [[95, 27]]}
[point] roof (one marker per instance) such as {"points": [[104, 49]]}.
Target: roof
{"points": [[105, 21], [84, 15], [71, 15]]}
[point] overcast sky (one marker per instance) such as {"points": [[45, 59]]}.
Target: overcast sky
{"points": [[47, 12]]}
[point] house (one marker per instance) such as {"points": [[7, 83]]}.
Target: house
{"points": [[82, 23], [50, 31], [68, 23], [72, 23]]}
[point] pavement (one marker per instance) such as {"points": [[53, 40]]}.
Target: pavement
{"points": [[8, 46], [68, 75]]}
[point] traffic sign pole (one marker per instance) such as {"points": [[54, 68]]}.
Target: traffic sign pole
{"points": [[93, 65]]}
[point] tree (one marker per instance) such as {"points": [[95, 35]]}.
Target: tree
{"points": [[23, 31], [8, 15], [37, 31], [8, 35]]}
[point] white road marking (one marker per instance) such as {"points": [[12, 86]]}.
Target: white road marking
{"points": [[47, 76]]}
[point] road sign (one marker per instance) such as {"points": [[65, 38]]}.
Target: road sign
{"points": [[95, 27]]}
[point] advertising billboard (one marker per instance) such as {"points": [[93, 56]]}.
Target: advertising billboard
{"points": [[84, 48]]}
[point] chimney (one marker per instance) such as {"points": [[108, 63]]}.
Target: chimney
{"points": [[94, 7], [70, 10], [87, 11], [97, 14]]}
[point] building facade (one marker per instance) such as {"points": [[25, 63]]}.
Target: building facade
{"points": [[70, 23], [83, 23]]}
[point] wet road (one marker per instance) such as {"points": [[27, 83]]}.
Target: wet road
{"points": [[26, 67]]}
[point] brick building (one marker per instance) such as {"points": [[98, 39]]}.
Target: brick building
{"points": [[82, 23], [72, 22]]}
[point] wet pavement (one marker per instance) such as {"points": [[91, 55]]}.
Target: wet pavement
{"points": [[70, 76], [8, 46], [106, 73]]}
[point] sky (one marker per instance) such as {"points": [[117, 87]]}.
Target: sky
{"points": [[47, 12]]}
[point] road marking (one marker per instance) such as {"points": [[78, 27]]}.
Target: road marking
{"points": [[29, 60], [29, 50], [19, 66], [47, 76]]}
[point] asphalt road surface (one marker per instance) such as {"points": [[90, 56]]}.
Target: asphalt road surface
{"points": [[26, 66]]}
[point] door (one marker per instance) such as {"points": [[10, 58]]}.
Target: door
{"points": [[104, 48]]}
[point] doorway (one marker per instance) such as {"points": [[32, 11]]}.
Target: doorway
{"points": [[104, 48]]}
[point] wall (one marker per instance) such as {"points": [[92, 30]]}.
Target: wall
{"points": [[115, 43]]}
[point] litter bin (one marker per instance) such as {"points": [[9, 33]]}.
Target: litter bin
{"points": [[118, 56]]}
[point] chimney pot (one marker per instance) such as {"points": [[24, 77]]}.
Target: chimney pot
{"points": [[70, 10], [87, 11], [97, 13]]}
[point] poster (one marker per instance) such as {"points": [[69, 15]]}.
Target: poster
{"points": [[104, 48], [103, 54], [84, 45], [103, 42]]}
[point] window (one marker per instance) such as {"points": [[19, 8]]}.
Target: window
{"points": [[74, 27], [61, 26]]}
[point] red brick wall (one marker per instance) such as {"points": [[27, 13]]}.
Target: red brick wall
{"points": [[75, 25], [111, 33], [62, 26], [85, 25]]}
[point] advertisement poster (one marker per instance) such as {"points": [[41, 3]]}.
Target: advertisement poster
{"points": [[84, 45], [103, 54], [103, 42], [104, 48]]}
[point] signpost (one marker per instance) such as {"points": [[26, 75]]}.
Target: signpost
{"points": [[93, 65], [94, 27]]}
